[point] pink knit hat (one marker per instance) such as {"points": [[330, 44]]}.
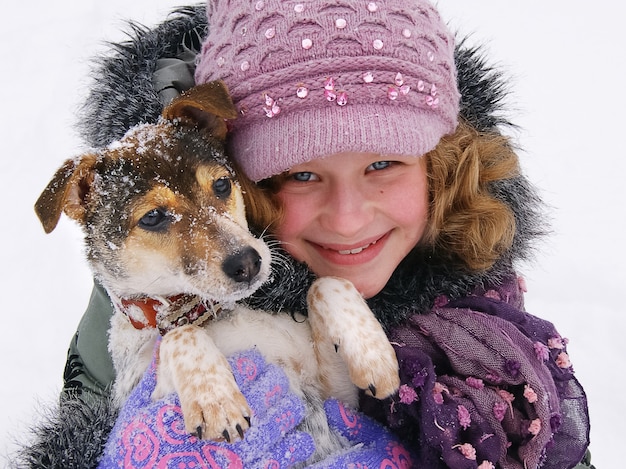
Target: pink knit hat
{"points": [[316, 77]]}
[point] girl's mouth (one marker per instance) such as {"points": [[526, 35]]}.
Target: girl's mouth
{"points": [[356, 250], [342, 255]]}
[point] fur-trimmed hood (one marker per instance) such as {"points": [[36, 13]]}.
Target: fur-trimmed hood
{"points": [[124, 94]]}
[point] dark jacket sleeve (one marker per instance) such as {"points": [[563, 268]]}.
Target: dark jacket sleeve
{"points": [[89, 370]]}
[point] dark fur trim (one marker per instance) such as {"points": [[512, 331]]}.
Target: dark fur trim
{"points": [[70, 436], [122, 94], [482, 89]]}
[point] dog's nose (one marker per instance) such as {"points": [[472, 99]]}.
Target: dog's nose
{"points": [[243, 266]]}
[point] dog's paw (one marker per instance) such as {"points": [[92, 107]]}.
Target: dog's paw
{"points": [[373, 366], [212, 405], [339, 315]]}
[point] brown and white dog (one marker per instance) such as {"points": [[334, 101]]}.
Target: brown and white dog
{"points": [[166, 234]]}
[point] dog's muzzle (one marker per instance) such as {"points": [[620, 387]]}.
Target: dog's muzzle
{"points": [[243, 266]]}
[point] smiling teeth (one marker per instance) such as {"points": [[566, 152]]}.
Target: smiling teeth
{"points": [[356, 250]]}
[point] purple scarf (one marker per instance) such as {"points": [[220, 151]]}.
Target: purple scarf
{"points": [[486, 385]]}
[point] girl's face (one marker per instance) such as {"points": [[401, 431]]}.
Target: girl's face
{"points": [[354, 215]]}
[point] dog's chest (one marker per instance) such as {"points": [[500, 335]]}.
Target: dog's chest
{"points": [[279, 337]]}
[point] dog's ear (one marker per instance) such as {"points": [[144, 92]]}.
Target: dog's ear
{"points": [[66, 192], [205, 106]]}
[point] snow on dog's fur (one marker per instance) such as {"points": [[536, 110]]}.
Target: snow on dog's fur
{"points": [[166, 234]]}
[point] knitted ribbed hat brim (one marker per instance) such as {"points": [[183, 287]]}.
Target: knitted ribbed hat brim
{"points": [[273, 146]]}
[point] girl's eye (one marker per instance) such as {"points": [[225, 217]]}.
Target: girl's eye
{"points": [[378, 165], [303, 176]]}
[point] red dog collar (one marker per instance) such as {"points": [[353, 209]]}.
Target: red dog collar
{"points": [[167, 314]]}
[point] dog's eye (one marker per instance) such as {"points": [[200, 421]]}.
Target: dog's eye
{"points": [[222, 187], [155, 220]]}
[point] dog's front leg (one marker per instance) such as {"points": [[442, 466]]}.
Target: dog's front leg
{"points": [[342, 324], [211, 402]]}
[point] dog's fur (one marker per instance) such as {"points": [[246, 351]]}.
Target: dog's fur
{"points": [[163, 215]]}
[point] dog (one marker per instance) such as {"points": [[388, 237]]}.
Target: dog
{"points": [[166, 234]]}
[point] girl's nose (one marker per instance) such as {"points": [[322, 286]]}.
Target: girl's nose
{"points": [[348, 210]]}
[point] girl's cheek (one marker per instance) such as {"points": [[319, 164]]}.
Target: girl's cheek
{"points": [[296, 213]]}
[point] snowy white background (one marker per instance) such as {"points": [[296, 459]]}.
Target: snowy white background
{"points": [[566, 61]]}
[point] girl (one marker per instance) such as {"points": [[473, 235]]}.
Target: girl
{"points": [[376, 137]]}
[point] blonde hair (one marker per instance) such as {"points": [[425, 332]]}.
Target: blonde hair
{"points": [[466, 221]]}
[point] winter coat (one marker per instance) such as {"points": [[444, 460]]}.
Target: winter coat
{"points": [[478, 373]]}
